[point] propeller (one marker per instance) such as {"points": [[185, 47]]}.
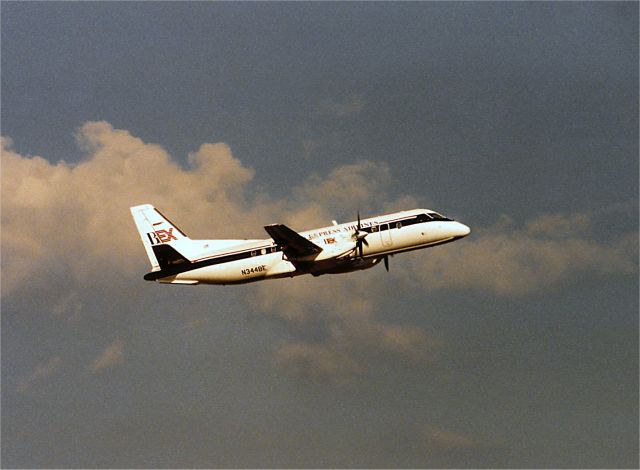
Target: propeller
{"points": [[360, 237]]}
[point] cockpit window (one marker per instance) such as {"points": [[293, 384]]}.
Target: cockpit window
{"points": [[437, 216], [415, 219], [423, 218]]}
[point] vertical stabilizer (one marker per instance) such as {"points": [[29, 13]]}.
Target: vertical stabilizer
{"points": [[158, 234]]}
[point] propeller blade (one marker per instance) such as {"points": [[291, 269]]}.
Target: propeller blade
{"points": [[386, 263], [359, 236]]}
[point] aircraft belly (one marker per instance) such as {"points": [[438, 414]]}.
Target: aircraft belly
{"points": [[241, 271], [342, 266]]}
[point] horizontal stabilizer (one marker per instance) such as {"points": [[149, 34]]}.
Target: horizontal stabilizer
{"points": [[168, 257]]}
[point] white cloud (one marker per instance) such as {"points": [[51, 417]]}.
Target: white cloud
{"points": [[75, 219], [546, 253], [40, 373], [362, 184], [110, 357]]}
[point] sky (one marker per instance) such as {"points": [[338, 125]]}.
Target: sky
{"points": [[516, 347]]}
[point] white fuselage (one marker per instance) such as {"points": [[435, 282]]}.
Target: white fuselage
{"points": [[254, 260]]}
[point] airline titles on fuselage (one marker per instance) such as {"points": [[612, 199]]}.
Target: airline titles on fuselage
{"points": [[341, 229]]}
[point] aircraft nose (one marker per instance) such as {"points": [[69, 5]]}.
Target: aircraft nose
{"points": [[462, 230]]}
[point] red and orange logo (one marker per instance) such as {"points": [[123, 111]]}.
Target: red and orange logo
{"points": [[161, 236]]}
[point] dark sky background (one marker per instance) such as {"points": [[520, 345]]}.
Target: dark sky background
{"points": [[516, 347]]}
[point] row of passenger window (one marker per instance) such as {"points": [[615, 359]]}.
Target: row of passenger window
{"points": [[419, 219], [264, 251]]}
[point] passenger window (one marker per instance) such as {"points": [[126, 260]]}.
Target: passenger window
{"points": [[399, 225], [253, 253], [263, 251], [374, 228]]}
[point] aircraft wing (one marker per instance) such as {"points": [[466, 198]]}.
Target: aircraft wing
{"points": [[293, 244]]}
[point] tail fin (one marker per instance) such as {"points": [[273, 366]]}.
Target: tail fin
{"points": [[159, 236]]}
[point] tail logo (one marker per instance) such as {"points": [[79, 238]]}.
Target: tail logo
{"points": [[161, 236]]}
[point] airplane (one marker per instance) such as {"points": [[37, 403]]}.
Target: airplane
{"points": [[340, 248]]}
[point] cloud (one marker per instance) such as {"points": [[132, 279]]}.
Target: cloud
{"points": [[361, 184], [74, 219], [546, 253], [341, 108], [110, 357], [445, 440], [405, 341], [41, 372], [68, 306], [350, 346], [426, 445], [340, 314], [558, 225], [317, 362]]}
